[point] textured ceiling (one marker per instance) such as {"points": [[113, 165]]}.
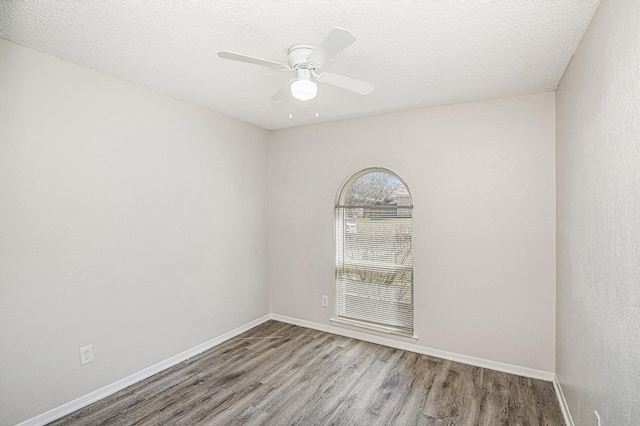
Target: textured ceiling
{"points": [[417, 53]]}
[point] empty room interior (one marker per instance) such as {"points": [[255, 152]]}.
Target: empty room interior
{"points": [[320, 212]]}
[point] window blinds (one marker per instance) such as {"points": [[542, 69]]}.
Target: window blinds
{"points": [[374, 266]]}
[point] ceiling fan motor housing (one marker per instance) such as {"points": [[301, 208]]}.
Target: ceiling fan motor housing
{"points": [[298, 54]]}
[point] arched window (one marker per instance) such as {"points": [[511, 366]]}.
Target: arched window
{"points": [[374, 252]]}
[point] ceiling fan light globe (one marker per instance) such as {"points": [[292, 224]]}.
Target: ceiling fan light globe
{"points": [[304, 89]]}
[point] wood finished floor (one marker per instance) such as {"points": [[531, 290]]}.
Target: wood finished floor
{"points": [[281, 374]]}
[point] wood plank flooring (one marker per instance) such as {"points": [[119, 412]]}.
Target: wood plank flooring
{"points": [[281, 374]]}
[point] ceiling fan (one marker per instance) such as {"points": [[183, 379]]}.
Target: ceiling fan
{"points": [[304, 60]]}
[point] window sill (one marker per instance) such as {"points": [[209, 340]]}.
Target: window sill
{"points": [[361, 326]]}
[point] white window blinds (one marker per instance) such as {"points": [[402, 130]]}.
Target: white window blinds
{"points": [[374, 253]]}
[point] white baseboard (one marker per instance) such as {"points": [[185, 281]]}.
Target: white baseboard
{"points": [[563, 402], [412, 347], [97, 395]]}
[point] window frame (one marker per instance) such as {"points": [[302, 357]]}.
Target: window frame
{"points": [[338, 225]]}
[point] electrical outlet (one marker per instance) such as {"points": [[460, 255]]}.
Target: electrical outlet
{"points": [[86, 355], [597, 420], [325, 301]]}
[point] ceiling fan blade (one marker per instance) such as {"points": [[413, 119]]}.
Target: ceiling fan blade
{"points": [[282, 93], [347, 83], [337, 40], [252, 60]]}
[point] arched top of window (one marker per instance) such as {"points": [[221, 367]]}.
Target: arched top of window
{"points": [[375, 187]]}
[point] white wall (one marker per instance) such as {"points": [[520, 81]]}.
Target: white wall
{"points": [[128, 220], [483, 184], [598, 161]]}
